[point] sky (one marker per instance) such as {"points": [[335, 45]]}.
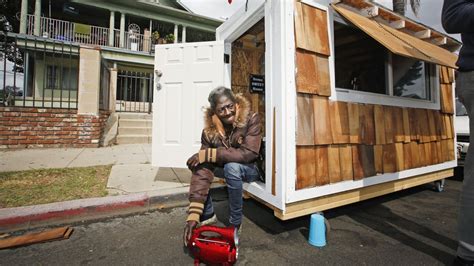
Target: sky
{"points": [[430, 10]]}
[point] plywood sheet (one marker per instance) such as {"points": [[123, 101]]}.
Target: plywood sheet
{"points": [[322, 171], [389, 158], [339, 118], [305, 120], [367, 125], [446, 98], [380, 125], [406, 126], [390, 124], [305, 167], [345, 159], [312, 73], [378, 158], [322, 123], [354, 124], [311, 29], [334, 164]]}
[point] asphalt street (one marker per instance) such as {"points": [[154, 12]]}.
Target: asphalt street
{"points": [[412, 227]]}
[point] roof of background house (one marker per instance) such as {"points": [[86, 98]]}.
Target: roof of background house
{"points": [[167, 10]]}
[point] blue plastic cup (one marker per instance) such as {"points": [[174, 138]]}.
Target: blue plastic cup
{"points": [[317, 231]]}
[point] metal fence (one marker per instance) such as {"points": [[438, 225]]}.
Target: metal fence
{"points": [[134, 92], [38, 73]]}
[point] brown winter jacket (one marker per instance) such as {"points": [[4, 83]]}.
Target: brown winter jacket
{"points": [[242, 145]]}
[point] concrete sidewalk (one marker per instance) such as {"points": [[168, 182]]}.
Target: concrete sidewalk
{"points": [[133, 185], [27, 159]]}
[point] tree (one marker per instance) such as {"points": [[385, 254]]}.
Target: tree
{"points": [[399, 6]]}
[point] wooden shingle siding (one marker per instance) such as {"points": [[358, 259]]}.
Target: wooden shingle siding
{"points": [[378, 159], [339, 119], [305, 167], [345, 159], [311, 29], [322, 122], [380, 125], [446, 98], [389, 158], [305, 127], [367, 125], [351, 141], [354, 123], [312, 73], [322, 171], [446, 75], [334, 164]]}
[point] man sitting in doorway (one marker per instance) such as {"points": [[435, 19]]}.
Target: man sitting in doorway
{"points": [[230, 141]]}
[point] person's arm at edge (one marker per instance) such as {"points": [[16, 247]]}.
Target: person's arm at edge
{"points": [[458, 16]]}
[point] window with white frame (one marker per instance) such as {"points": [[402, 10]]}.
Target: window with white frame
{"points": [[362, 64]]}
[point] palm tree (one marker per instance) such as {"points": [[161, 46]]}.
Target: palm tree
{"points": [[399, 6]]}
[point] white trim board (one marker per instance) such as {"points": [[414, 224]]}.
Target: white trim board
{"points": [[315, 192]]}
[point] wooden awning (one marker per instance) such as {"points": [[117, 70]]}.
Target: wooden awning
{"points": [[399, 42]]}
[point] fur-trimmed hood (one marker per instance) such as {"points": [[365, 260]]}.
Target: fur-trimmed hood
{"points": [[212, 124]]}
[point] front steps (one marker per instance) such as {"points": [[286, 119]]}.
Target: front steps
{"points": [[134, 128]]}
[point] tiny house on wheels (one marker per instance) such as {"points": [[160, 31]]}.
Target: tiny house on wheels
{"points": [[357, 100]]}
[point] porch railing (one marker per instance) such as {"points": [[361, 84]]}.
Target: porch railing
{"points": [[133, 41], [70, 31]]}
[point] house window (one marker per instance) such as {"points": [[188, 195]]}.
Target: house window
{"points": [[363, 64], [64, 78]]}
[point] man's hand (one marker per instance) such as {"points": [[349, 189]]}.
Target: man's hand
{"points": [[193, 161], [188, 231]]}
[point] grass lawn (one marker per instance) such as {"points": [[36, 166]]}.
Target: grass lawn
{"points": [[52, 185]]}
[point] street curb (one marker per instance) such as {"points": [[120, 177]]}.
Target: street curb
{"points": [[25, 218]]}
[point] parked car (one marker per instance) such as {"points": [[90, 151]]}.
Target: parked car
{"points": [[461, 125]]}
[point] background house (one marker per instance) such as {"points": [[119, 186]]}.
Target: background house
{"points": [[89, 59]]}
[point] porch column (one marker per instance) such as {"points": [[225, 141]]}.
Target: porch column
{"points": [[113, 89], [122, 30], [183, 34], [175, 33], [89, 81], [112, 28], [24, 16], [37, 27]]}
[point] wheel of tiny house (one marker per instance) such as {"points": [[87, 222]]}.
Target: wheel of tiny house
{"points": [[439, 185]]}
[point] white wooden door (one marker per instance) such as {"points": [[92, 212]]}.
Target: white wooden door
{"points": [[189, 72]]}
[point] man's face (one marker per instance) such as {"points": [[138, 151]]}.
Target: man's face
{"points": [[225, 110]]}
